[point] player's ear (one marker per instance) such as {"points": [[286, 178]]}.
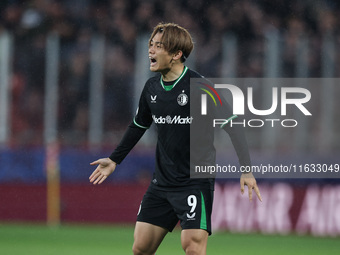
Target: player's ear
{"points": [[177, 55]]}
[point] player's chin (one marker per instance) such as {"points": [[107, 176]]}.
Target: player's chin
{"points": [[153, 69]]}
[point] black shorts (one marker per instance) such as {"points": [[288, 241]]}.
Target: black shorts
{"points": [[165, 208]]}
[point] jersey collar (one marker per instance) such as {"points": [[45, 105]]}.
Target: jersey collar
{"points": [[168, 88]]}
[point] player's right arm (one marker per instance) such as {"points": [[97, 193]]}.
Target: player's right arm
{"points": [[105, 167], [141, 122]]}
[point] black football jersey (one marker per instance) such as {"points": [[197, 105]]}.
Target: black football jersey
{"points": [[169, 109], [168, 106]]}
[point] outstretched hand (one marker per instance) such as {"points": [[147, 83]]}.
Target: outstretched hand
{"points": [[105, 167], [249, 180]]}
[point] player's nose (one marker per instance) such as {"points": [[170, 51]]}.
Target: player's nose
{"points": [[151, 49]]}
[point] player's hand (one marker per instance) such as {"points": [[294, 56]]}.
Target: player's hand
{"points": [[249, 180], [105, 167]]}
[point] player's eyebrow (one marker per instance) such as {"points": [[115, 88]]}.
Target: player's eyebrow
{"points": [[156, 42]]}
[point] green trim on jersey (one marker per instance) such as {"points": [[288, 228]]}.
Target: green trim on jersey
{"points": [[134, 121], [170, 87], [203, 214]]}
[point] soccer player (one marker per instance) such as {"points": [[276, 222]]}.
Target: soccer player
{"points": [[172, 195]]}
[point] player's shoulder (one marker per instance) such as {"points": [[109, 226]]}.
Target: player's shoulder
{"points": [[194, 74], [154, 80], [152, 84]]}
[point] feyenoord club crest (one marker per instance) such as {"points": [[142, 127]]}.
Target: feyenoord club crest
{"points": [[182, 99]]}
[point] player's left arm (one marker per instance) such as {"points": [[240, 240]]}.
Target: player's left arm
{"points": [[239, 141], [249, 180]]}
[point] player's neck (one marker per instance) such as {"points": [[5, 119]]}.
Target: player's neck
{"points": [[173, 73]]}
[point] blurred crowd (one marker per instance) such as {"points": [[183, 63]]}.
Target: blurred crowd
{"points": [[121, 21]]}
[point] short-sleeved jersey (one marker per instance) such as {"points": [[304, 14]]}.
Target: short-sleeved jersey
{"points": [[170, 111]]}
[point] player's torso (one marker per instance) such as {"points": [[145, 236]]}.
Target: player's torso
{"points": [[169, 109], [170, 112]]}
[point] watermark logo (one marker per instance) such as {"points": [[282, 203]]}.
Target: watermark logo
{"points": [[223, 122], [204, 97], [239, 100], [281, 98]]}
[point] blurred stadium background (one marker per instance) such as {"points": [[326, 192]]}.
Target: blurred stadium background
{"points": [[70, 77]]}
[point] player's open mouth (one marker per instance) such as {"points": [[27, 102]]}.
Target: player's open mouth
{"points": [[153, 61]]}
